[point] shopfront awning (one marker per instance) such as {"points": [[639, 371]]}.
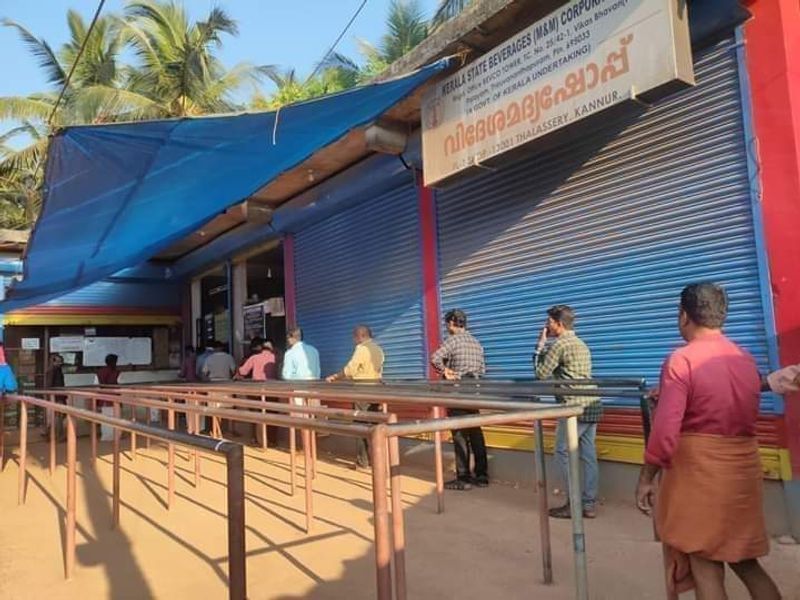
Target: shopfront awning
{"points": [[118, 194]]}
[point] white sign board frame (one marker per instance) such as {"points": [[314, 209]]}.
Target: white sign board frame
{"points": [[582, 58]]}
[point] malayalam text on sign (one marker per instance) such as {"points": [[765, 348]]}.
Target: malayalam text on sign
{"points": [[583, 58]]}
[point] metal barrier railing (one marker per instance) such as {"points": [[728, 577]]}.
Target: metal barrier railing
{"points": [[234, 459], [383, 432]]}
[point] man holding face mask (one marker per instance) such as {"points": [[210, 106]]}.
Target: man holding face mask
{"points": [[568, 357]]}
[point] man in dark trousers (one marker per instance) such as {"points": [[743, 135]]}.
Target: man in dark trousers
{"points": [[461, 357]]}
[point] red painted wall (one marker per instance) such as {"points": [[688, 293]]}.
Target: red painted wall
{"points": [[290, 301], [430, 272], [772, 40]]}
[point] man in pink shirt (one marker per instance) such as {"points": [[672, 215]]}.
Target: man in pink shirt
{"points": [[703, 443], [261, 364]]}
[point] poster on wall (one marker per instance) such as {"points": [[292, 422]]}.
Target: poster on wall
{"points": [[277, 307], [253, 320], [221, 327], [31, 344], [67, 343], [129, 350], [581, 59]]}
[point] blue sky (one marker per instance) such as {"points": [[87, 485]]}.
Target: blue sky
{"points": [[283, 32]]}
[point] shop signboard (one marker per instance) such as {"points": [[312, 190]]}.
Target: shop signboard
{"points": [[581, 59], [253, 319]]}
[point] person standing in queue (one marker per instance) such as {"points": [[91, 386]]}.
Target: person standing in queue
{"points": [[568, 357], [218, 367], [54, 379], [301, 361], [461, 357], [188, 371], [259, 366], [366, 364], [108, 375], [703, 442]]}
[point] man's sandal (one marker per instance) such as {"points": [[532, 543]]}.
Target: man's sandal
{"points": [[458, 485]]}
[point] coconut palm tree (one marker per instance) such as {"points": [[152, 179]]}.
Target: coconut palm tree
{"points": [[91, 95], [406, 28], [177, 67], [176, 73]]}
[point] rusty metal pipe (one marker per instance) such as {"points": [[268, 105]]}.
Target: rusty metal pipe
{"points": [[2, 433], [23, 451], [438, 463], [398, 524], [465, 422], [237, 551], [576, 503], [72, 491], [309, 476], [93, 432], [383, 546], [170, 461], [116, 484], [544, 517]]}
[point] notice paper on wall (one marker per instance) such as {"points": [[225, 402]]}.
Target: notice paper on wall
{"points": [[130, 350], [67, 343], [276, 307]]}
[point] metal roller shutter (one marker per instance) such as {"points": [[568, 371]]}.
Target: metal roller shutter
{"points": [[615, 226], [363, 266]]}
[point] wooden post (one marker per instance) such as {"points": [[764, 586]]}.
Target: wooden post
{"points": [[308, 463], [170, 460], [71, 496], [93, 430], [23, 451], [117, 440]]}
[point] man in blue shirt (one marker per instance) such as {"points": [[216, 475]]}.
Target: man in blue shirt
{"points": [[301, 361]]}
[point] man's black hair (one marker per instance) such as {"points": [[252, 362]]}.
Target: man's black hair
{"points": [[111, 360], [706, 304], [562, 314], [457, 317]]}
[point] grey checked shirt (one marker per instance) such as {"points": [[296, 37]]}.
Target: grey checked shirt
{"points": [[462, 353], [568, 357]]}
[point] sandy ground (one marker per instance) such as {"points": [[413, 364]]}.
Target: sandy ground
{"points": [[485, 545]]}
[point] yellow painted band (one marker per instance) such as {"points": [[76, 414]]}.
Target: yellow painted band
{"points": [[619, 448], [40, 320]]}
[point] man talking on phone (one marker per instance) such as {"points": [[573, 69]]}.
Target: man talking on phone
{"points": [[568, 357]]}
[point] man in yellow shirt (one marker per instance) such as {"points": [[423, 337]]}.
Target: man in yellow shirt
{"points": [[366, 364]]}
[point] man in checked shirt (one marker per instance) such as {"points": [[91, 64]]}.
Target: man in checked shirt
{"points": [[461, 357], [568, 357]]}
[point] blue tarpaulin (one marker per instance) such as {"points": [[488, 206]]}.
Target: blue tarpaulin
{"points": [[118, 194]]}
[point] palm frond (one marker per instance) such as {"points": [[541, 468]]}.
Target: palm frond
{"points": [[21, 108], [41, 50]]}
